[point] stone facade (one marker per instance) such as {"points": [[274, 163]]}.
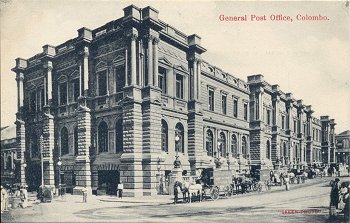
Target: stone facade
{"points": [[117, 103]]}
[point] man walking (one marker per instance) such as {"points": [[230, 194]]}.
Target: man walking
{"points": [[334, 198], [120, 190]]}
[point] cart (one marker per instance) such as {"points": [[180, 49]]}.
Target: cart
{"points": [[217, 182]]}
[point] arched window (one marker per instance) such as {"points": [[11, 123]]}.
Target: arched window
{"points": [[34, 146], [76, 141], [64, 141], [164, 136], [244, 147], [102, 137], [222, 145], [268, 150], [234, 147], [179, 130], [9, 163], [119, 136], [209, 143]]}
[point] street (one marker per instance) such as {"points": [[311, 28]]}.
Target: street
{"points": [[274, 206]]}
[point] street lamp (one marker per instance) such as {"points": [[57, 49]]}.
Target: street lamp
{"points": [[177, 162], [42, 159], [59, 163]]}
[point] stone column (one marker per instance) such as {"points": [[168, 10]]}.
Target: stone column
{"points": [[21, 147], [155, 60], [195, 80], [20, 94], [48, 78], [133, 57], [85, 70], [199, 79], [149, 61], [48, 147], [82, 161]]}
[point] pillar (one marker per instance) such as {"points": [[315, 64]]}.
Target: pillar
{"points": [[155, 60], [82, 161], [48, 147]]}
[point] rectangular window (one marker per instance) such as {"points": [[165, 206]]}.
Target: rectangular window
{"points": [[223, 104], [76, 89], [245, 111], [42, 98], [179, 86], [283, 118], [211, 99], [120, 78], [235, 108], [162, 79], [32, 101], [102, 83], [304, 129], [295, 125], [63, 93], [268, 117]]}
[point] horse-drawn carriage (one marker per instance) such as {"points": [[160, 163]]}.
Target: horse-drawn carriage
{"points": [[211, 183]]}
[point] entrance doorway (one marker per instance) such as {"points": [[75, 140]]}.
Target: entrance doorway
{"points": [[108, 181]]}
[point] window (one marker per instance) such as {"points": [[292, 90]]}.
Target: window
{"points": [[245, 111], [285, 151], [120, 78], [283, 121], [211, 99], [102, 137], [76, 148], [34, 146], [313, 133], [223, 104], [63, 93], [119, 136], [32, 101], [268, 117], [102, 83], [64, 141], [209, 143], [179, 131], [234, 148], [304, 129], [268, 150], [244, 147], [42, 98], [162, 79], [179, 86], [295, 125], [164, 136], [235, 107], [76, 89], [222, 145]]}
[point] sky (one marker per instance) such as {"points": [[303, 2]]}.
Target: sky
{"points": [[310, 59]]}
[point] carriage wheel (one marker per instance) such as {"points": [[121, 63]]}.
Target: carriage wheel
{"points": [[214, 193], [227, 191]]}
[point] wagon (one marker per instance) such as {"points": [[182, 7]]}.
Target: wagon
{"points": [[216, 182]]}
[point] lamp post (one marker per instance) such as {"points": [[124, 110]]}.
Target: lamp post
{"points": [[24, 168], [59, 163], [177, 162], [42, 160]]}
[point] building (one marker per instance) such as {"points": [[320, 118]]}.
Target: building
{"points": [[342, 142], [120, 102], [10, 165]]}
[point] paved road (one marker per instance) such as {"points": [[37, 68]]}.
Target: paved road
{"points": [[264, 207]]}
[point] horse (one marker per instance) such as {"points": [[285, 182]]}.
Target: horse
{"points": [[191, 189]]}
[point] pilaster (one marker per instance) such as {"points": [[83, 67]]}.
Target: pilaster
{"points": [[48, 147]]}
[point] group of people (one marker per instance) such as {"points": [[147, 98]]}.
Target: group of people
{"points": [[339, 198], [19, 193]]}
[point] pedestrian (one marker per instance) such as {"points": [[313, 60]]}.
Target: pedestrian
{"points": [[2, 201], [84, 195], [120, 190], [346, 205], [334, 198], [24, 197]]}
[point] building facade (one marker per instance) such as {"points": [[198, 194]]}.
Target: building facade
{"points": [[120, 102], [10, 165], [342, 141]]}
